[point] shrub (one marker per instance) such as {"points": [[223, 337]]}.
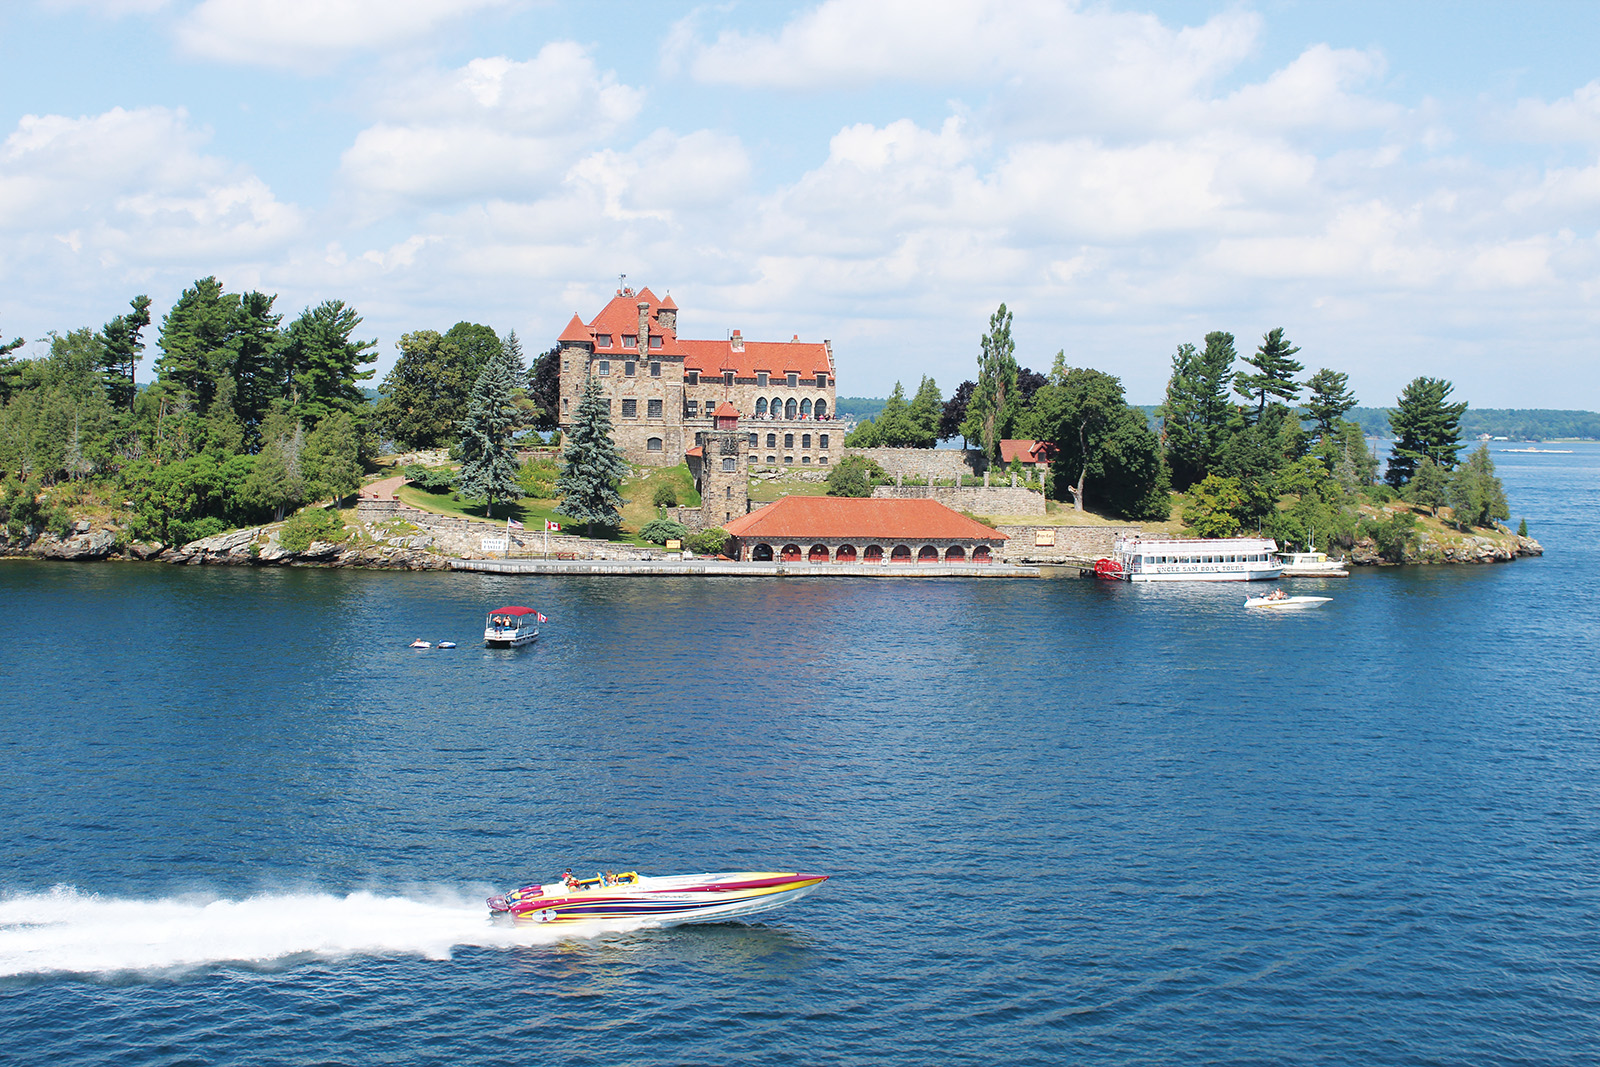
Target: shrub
{"points": [[853, 476], [666, 495], [1393, 536], [304, 527], [710, 542], [537, 478], [660, 531], [431, 479]]}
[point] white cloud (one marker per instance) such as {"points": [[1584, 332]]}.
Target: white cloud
{"points": [[1571, 118], [494, 127], [110, 8], [311, 35]]}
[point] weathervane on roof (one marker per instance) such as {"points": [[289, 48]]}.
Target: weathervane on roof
{"points": [[622, 284]]}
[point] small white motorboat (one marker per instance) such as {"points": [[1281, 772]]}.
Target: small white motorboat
{"points": [[1279, 601]]}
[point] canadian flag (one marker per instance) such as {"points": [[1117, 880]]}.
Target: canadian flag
{"points": [[553, 527], [542, 616]]}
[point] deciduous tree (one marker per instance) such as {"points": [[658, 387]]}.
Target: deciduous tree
{"points": [[954, 412], [424, 396], [994, 404]]}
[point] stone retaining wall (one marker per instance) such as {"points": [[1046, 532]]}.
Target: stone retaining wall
{"points": [[978, 499], [926, 462], [1072, 543]]}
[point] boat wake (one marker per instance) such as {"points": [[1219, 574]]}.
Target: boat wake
{"points": [[69, 931]]}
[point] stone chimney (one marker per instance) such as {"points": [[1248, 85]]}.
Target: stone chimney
{"points": [[644, 328], [737, 341]]}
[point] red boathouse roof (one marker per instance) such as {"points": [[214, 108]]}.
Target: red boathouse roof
{"points": [[861, 518]]}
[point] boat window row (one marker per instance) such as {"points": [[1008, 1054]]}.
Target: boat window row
{"points": [[1252, 558]]}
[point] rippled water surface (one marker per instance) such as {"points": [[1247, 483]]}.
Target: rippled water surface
{"points": [[1067, 821]]}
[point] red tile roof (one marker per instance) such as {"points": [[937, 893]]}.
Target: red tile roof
{"points": [[697, 451], [803, 518], [1027, 451], [725, 410], [620, 318]]}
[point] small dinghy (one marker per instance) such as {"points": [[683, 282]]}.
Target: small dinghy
{"points": [[419, 644], [446, 644], [1277, 600]]}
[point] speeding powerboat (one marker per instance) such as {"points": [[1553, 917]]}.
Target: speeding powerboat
{"points": [[1277, 600], [667, 900]]}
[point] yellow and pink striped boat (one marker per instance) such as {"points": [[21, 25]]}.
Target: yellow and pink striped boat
{"points": [[667, 900]]}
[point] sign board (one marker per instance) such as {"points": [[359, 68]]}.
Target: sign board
{"points": [[496, 544], [1044, 538], [673, 544]]}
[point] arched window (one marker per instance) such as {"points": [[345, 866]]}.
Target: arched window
{"points": [[927, 554], [901, 554], [822, 409], [777, 407], [653, 445], [761, 406], [805, 440], [762, 553], [845, 554], [791, 553], [772, 442], [955, 554], [730, 463], [873, 554], [818, 554], [805, 409], [790, 408], [981, 554]]}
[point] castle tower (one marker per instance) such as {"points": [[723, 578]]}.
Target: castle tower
{"points": [[724, 473]]}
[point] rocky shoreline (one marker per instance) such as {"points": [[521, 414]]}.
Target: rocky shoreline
{"points": [[1467, 548]]}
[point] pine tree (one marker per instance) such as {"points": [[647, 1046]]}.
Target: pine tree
{"points": [[591, 466], [1194, 416], [1329, 400], [1476, 494], [318, 362], [123, 347], [1425, 427], [488, 456], [1275, 371], [195, 342]]}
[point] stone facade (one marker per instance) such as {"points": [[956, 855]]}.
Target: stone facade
{"points": [[662, 389], [939, 463], [977, 499], [1068, 544], [723, 475]]}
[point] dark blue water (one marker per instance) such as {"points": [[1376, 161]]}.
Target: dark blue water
{"points": [[241, 823]]}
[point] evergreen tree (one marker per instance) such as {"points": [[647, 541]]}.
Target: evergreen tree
{"points": [[1429, 486], [277, 483], [124, 344], [331, 460], [488, 455], [1275, 370], [195, 342], [1425, 426], [320, 363], [256, 370], [591, 466], [994, 406], [1475, 493], [1329, 400], [926, 409], [894, 426], [1195, 414]]}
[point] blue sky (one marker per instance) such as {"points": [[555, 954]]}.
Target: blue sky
{"points": [[1406, 188]]}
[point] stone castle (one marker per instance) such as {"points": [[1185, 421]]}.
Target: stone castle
{"points": [[667, 393]]}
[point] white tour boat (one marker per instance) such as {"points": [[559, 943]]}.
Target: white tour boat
{"points": [[1217, 559], [511, 627], [1311, 565]]}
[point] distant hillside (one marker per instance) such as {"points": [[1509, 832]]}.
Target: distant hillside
{"points": [[1519, 424], [859, 407]]}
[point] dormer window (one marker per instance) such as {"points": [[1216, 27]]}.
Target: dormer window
{"points": [[655, 340], [691, 377], [822, 381], [794, 379], [761, 377], [630, 340], [727, 377], [602, 340]]}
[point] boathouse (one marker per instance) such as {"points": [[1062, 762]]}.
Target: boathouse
{"points": [[828, 529]]}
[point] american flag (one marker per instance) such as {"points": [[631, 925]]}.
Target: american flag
{"points": [[513, 524]]}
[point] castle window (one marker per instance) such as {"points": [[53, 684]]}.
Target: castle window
{"points": [[822, 459], [630, 340], [655, 340], [653, 408], [771, 460], [805, 440], [777, 407], [630, 409], [699, 439], [566, 364], [730, 463], [761, 404], [691, 408], [805, 459], [653, 445], [761, 378], [753, 441], [727, 377], [772, 440], [822, 409], [630, 368], [790, 408], [602, 340], [566, 403], [691, 377], [788, 440], [794, 379], [805, 409], [655, 367], [822, 440], [822, 381], [788, 461], [605, 368]]}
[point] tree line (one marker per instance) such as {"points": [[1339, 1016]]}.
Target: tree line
{"points": [[1251, 445]]}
